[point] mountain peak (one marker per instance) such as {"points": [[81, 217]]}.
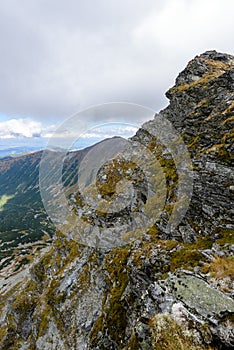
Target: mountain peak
{"points": [[217, 56], [203, 69]]}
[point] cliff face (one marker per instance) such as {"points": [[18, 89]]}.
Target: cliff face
{"points": [[166, 289], [201, 107]]}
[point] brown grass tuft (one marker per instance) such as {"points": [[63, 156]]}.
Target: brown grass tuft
{"points": [[222, 267]]}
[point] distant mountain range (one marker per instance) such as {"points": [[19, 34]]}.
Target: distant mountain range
{"points": [[19, 146], [17, 151]]}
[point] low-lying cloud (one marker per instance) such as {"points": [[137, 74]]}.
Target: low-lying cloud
{"points": [[20, 128], [26, 128]]}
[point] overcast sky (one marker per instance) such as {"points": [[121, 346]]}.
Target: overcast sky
{"points": [[59, 57]]}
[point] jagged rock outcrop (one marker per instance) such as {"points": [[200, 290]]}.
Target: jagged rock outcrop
{"points": [[164, 288], [201, 107]]}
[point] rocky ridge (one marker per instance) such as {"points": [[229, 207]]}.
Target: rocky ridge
{"points": [[161, 290]]}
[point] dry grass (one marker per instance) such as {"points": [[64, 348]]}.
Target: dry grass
{"points": [[216, 65], [168, 335], [203, 81], [222, 267]]}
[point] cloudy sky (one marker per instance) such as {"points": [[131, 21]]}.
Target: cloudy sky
{"points": [[59, 57]]}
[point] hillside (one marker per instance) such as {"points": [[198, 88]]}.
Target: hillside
{"points": [[25, 227], [106, 284]]}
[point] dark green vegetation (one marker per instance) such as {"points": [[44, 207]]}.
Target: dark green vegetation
{"points": [[22, 218]]}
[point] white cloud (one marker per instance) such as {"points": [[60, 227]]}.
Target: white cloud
{"points": [[26, 128], [94, 133], [103, 133], [19, 128]]}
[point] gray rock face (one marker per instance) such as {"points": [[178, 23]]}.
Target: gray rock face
{"points": [[99, 298], [197, 294], [202, 110], [208, 303]]}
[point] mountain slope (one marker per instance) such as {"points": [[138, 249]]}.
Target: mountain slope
{"points": [[25, 227], [165, 289]]}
